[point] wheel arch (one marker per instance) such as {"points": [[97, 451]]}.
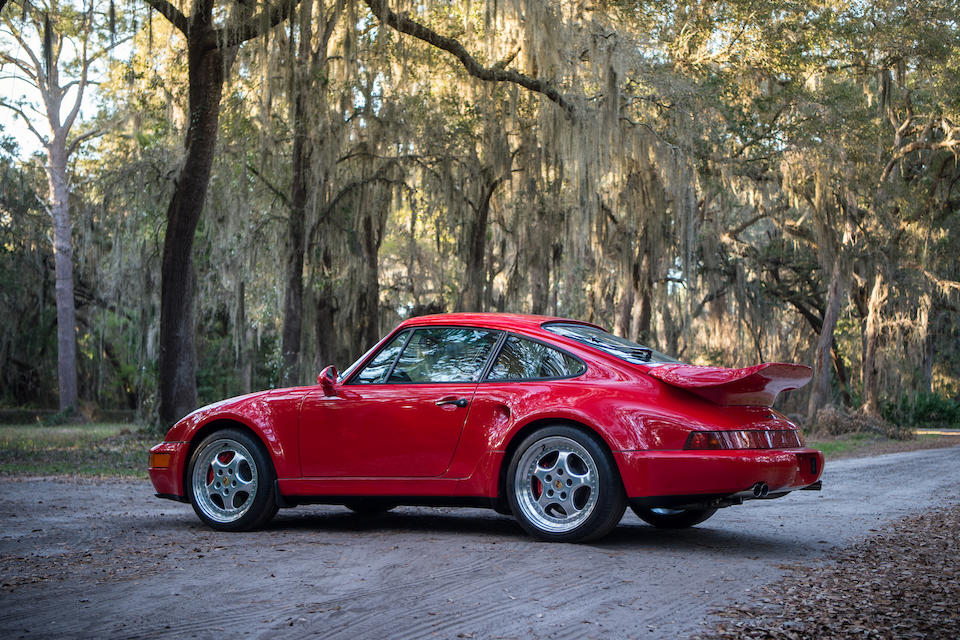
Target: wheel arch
{"points": [[520, 434], [219, 424]]}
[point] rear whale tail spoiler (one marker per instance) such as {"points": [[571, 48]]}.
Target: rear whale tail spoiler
{"points": [[758, 385]]}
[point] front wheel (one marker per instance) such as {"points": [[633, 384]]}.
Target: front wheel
{"points": [[563, 486], [231, 482], [667, 518]]}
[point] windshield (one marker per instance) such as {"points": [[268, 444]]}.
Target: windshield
{"points": [[614, 345]]}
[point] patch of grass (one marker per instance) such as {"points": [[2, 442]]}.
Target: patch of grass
{"points": [[855, 445], [840, 445], [92, 450]]}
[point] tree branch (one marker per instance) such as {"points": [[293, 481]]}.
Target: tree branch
{"points": [[93, 133], [254, 26], [403, 24], [796, 231], [734, 233], [918, 145], [20, 112], [172, 14], [84, 69], [37, 65], [20, 64], [280, 194]]}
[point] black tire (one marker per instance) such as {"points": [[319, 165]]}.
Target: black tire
{"points": [[562, 485], [370, 506], [230, 482], [667, 518], [502, 507]]}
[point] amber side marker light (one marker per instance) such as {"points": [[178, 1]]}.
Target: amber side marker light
{"points": [[159, 460]]}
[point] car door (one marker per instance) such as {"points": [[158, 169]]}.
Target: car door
{"points": [[402, 414]]}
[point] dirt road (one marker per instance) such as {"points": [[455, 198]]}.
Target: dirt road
{"points": [[85, 558]]}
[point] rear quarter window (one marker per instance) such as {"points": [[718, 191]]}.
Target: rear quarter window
{"points": [[522, 359]]}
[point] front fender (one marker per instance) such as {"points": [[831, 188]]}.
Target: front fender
{"points": [[272, 416]]}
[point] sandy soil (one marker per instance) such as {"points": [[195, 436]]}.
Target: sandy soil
{"points": [[89, 558]]}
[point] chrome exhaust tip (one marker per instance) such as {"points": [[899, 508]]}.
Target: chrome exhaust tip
{"points": [[760, 490]]}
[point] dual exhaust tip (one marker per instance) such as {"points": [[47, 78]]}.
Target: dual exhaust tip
{"points": [[760, 490]]}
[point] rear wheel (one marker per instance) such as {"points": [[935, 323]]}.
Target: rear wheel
{"points": [[563, 486], [668, 518], [231, 482]]}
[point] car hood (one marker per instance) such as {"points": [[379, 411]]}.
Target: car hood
{"points": [[758, 385]]}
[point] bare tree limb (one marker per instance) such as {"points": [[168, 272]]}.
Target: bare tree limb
{"points": [[80, 139], [37, 65], [172, 14], [30, 72], [84, 69], [19, 111], [403, 24]]}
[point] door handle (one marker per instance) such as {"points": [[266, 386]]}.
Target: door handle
{"points": [[460, 402]]}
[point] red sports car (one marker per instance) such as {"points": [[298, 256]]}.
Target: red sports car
{"points": [[557, 422]]}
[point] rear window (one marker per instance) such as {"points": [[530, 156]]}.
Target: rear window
{"points": [[606, 341]]}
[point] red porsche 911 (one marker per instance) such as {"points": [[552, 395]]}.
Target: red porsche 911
{"points": [[556, 422]]}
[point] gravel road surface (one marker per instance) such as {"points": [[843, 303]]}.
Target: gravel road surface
{"points": [[104, 558]]}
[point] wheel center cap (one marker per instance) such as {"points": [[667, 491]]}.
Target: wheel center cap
{"points": [[558, 484]]}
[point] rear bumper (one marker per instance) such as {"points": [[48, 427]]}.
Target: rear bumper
{"points": [[168, 481], [725, 472]]}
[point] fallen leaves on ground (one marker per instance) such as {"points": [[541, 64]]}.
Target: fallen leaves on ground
{"points": [[902, 583]]}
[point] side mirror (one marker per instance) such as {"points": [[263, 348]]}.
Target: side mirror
{"points": [[328, 380]]}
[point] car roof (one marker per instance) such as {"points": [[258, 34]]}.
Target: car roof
{"points": [[505, 321]]}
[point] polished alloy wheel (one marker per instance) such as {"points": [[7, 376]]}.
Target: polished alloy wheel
{"points": [[556, 484], [225, 480]]}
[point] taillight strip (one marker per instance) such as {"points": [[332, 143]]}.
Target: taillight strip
{"points": [[744, 439]]}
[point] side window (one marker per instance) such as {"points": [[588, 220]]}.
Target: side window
{"points": [[444, 355], [521, 359], [376, 370]]}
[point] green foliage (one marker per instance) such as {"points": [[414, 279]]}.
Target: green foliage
{"points": [[923, 410]]}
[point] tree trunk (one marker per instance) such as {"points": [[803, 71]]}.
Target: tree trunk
{"points": [[326, 332], [538, 263], [871, 383], [842, 376], [820, 391], [477, 250], [296, 225], [929, 333], [368, 329], [63, 268], [178, 357], [643, 312]]}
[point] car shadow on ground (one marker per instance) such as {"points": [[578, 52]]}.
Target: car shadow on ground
{"points": [[629, 535], [402, 520]]}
